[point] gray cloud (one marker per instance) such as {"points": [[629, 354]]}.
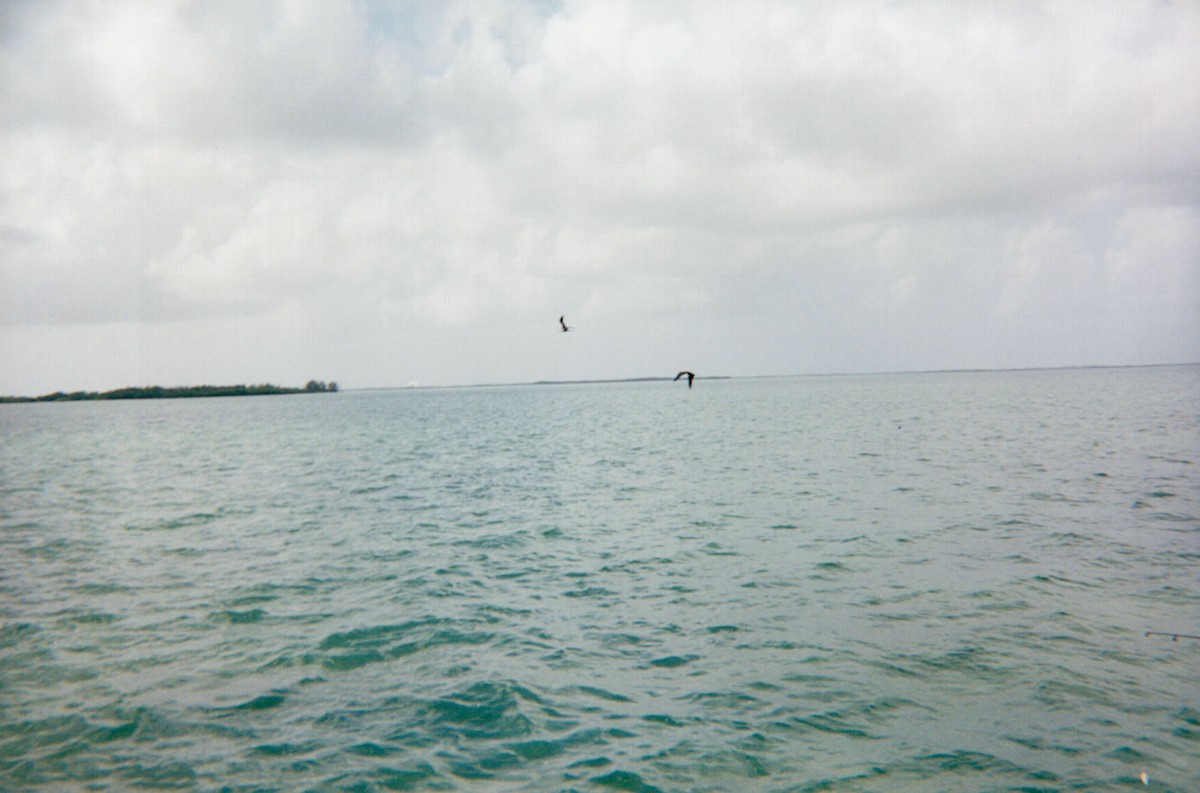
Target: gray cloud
{"points": [[382, 193]]}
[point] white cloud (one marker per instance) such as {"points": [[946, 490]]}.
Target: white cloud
{"points": [[914, 185]]}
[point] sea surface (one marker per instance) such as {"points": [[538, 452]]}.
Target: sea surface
{"points": [[920, 582]]}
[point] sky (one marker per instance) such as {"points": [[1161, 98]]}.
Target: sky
{"points": [[389, 193]]}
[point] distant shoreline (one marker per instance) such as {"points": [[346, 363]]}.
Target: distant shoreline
{"points": [[179, 392], [314, 386]]}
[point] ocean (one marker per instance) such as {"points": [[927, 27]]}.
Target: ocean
{"points": [[911, 582]]}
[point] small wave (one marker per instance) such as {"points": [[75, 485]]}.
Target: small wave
{"points": [[542, 749], [625, 780], [600, 693], [829, 722], [244, 617], [348, 650], [483, 711], [181, 522], [264, 702]]}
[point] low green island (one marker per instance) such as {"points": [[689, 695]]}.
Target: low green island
{"points": [[158, 392]]}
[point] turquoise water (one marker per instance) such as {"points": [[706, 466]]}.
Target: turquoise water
{"points": [[884, 583]]}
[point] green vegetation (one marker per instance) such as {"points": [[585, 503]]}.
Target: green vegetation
{"points": [[158, 392]]}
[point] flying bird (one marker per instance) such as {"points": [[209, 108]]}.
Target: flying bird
{"points": [[690, 376], [564, 324]]}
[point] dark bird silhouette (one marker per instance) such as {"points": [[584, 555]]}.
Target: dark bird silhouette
{"points": [[690, 376], [564, 324]]}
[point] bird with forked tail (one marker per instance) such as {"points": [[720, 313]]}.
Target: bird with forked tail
{"points": [[689, 375]]}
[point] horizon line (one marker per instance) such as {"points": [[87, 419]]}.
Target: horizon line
{"points": [[659, 378]]}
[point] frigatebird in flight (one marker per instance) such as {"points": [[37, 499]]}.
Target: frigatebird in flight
{"points": [[564, 324], [690, 376]]}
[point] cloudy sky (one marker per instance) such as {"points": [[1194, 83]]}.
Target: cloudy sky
{"points": [[383, 193]]}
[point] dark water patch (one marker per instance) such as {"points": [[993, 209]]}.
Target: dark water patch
{"points": [[542, 749], [483, 711], [720, 768], [1063, 581], [13, 634], [903, 597], [1042, 744], [1070, 692], [638, 566], [538, 750], [387, 556], [618, 733], [287, 749], [963, 763], [723, 700], [372, 749], [591, 762], [987, 601], [1057, 498], [53, 550], [625, 780], [188, 521], [831, 722], [485, 766], [101, 588], [1189, 727], [164, 775], [763, 685], [420, 776], [600, 693], [673, 661], [248, 617], [349, 650], [513, 575], [1126, 754], [1191, 520], [618, 640], [345, 662], [92, 618], [267, 593], [264, 702], [589, 592], [975, 664], [495, 541], [62, 752]]}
